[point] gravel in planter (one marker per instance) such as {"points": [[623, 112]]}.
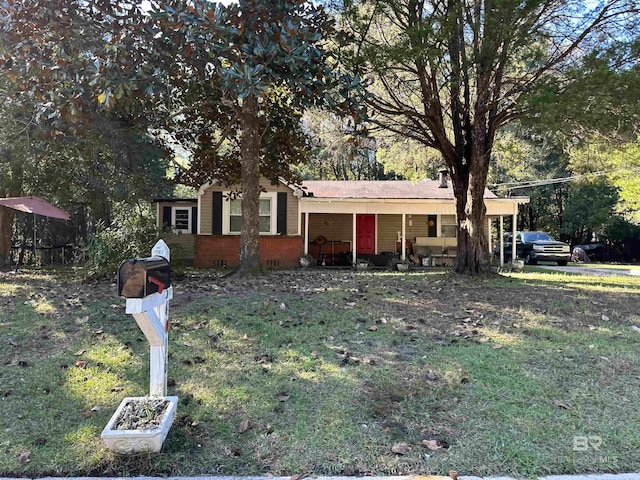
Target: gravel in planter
{"points": [[142, 415]]}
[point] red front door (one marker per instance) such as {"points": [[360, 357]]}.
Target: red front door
{"points": [[365, 234]]}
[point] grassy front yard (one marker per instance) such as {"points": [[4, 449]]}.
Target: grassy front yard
{"points": [[332, 370]]}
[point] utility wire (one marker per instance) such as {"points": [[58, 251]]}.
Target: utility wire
{"points": [[552, 181]]}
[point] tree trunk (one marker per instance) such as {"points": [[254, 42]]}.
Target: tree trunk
{"points": [[6, 229], [250, 181], [469, 182], [6, 214]]}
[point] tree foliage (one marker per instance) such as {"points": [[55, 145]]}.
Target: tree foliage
{"points": [[229, 81], [338, 150], [452, 74], [407, 159]]}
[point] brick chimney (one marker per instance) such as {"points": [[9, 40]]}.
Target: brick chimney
{"points": [[443, 177]]}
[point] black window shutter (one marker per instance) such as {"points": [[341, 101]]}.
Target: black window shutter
{"points": [[194, 220], [216, 225], [282, 213], [166, 217]]}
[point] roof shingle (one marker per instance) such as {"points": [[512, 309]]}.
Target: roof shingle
{"points": [[394, 189]]}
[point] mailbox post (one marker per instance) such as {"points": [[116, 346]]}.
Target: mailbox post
{"points": [[146, 284], [151, 312]]}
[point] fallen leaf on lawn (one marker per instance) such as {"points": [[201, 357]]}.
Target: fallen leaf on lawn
{"points": [[401, 448], [453, 474], [299, 476], [431, 477], [373, 328], [283, 306], [117, 388], [81, 364], [431, 444], [23, 458], [79, 352], [351, 304], [605, 318], [283, 397], [244, 426], [636, 328], [496, 346], [431, 375], [95, 409], [561, 404], [315, 353], [88, 413], [99, 331]]}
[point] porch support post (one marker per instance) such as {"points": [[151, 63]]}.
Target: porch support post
{"points": [[489, 235], [502, 241], [404, 235], [299, 231], [306, 233], [353, 241], [376, 234], [513, 243]]}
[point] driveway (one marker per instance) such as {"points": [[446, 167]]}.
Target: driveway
{"points": [[594, 270]]}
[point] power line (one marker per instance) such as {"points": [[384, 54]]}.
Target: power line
{"points": [[552, 181]]}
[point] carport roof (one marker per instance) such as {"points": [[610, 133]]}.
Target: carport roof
{"points": [[393, 189]]}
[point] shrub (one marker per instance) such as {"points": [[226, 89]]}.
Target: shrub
{"points": [[129, 238]]}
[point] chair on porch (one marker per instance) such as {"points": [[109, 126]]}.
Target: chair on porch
{"points": [[422, 252], [452, 253]]}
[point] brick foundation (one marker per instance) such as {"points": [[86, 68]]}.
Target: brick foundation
{"points": [[217, 251]]}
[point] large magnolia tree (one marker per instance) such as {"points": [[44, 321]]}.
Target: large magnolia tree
{"points": [[452, 73], [228, 81]]}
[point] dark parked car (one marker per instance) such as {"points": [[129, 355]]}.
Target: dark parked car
{"points": [[536, 246]]}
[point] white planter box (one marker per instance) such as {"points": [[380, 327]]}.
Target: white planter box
{"points": [[138, 441]]}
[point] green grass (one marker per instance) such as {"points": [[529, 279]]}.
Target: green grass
{"points": [[331, 369], [614, 266]]}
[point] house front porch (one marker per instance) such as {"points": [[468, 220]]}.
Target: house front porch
{"points": [[425, 231]]}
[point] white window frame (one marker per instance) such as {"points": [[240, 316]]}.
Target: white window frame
{"points": [[226, 213], [442, 224], [189, 219]]}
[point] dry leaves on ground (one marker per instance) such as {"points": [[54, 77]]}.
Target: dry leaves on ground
{"points": [[561, 404], [401, 448], [244, 426]]}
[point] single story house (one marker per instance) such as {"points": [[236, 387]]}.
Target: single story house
{"points": [[336, 222]]}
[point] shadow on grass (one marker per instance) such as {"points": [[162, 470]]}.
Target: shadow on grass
{"points": [[331, 371]]}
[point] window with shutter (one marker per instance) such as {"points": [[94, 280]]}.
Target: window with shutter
{"points": [[232, 215]]}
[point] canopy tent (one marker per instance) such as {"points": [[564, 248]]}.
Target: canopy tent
{"points": [[36, 206]]}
